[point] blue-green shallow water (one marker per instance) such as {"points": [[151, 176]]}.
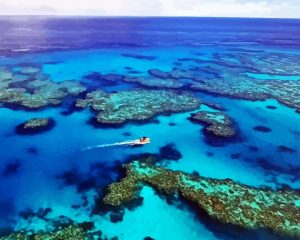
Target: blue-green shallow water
{"points": [[38, 183]]}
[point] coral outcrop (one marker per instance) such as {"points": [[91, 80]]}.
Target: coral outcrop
{"points": [[30, 88], [117, 108], [216, 123], [286, 92], [154, 82], [35, 125], [228, 201], [69, 233]]}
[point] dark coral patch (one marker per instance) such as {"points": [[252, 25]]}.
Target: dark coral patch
{"points": [[87, 226], [70, 177], [148, 238], [85, 202], [158, 73], [97, 176], [35, 126], [128, 68], [177, 64], [271, 167], [271, 107], [139, 56], [285, 149], [40, 213], [74, 178], [86, 185], [126, 134], [95, 76], [69, 106], [253, 148], [209, 154], [11, 168], [112, 77], [75, 206], [172, 124], [116, 217], [155, 121], [134, 72], [96, 80], [26, 214], [32, 150], [216, 106], [169, 152], [235, 156], [262, 129]]}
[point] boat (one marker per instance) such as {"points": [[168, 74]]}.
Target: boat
{"points": [[141, 141]]}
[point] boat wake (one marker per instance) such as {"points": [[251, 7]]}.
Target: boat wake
{"points": [[124, 143]]}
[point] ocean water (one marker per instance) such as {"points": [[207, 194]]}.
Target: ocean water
{"points": [[51, 171]]}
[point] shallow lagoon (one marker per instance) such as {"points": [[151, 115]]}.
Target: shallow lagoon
{"points": [[54, 163]]}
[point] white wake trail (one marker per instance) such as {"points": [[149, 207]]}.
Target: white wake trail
{"points": [[130, 142]]}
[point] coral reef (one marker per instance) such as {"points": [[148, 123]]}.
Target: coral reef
{"points": [[262, 129], [117, 108], [35, 125], [217, 123], [154, 82], [250, 76], [139, 56], [158, 73], [284, 91], [228, 201], [30, 88], [69, 233], [81, 231], [263, 62]]}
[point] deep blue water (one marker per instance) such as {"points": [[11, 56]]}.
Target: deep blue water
{"points": [[72, 48]]}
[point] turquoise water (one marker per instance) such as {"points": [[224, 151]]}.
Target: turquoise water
{"points": [[47, 160], [272, 77]]}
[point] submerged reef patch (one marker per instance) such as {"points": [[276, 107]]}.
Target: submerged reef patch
{"points": [[158, 73], [33, 89], [262, 129], [217, 124], [285, 149], [136, 105], [166, 154], [284, 91], [154, 82], [271, 107], [11, 168], [81, 231], [35, 125], [71, 232], [228, 201], [139, 56]]}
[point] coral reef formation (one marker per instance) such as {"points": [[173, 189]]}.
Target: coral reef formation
{"points": [[154, 82], [286, 92], [228, 201], [117, 108], [81, 231], [217, 123], [35, 125], [271, 63], [28, 87], [69, 233]]}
